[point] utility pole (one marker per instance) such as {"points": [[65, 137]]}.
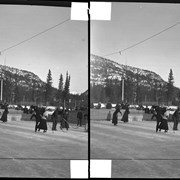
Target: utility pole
{"points": [[123, 88], [1, 88], [122, 82]]}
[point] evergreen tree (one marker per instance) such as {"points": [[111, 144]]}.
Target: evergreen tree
{"points": [[66, 88], [48, 87], [60, 89], [170, 86]]}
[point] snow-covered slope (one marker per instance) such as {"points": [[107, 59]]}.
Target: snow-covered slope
{"points": [[22, 77], [102, 69]]}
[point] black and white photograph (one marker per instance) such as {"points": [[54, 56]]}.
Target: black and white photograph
{"points": [[43, 89], [135, 90]]}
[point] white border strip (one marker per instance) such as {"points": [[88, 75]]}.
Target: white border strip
{"points": [[79, 169], [100, 11], [79, 11], [100, 168]]}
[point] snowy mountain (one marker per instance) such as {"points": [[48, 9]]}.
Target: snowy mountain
{"points": [[102, 69], [21, 77]]}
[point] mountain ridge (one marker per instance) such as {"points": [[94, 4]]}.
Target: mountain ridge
{"points": [[116, 70]]}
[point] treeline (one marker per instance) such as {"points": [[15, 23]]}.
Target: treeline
{"points": [[135, 92], [62, 94], [36, 92]]}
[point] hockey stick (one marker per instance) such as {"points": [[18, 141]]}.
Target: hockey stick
{"points": [[61, 127], [69, 125]]}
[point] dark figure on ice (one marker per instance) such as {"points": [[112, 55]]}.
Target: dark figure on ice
{"points": [[33, 114], [64, 122], [176, 119], [55, 118], [153, 111], [38, 117], [79, 118], [4, 115], [43, 123], [115, 116], [164, 121], [158, 117], [125, 115]]}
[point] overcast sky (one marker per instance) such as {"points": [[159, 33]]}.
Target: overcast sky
{"points": [[61, 49], [133, 22]]}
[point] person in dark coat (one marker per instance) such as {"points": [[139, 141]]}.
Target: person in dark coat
{"points": [[43, 123], [158, 117], [164, 121], [125, 115], [176, 119], [115, 116], [66, 117], [4, 115], [79, 118], [33, 115], [55, 118], [154, 113], [38, 117], [64, 121]]}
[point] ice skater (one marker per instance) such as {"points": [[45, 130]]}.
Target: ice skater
{"points": [[43, 123], [115, 116], [176, 119], [4, 115], [79, 118], [125, 115], [164, 120], [158, 117]]}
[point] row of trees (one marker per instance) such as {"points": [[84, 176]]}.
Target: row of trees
{"points": [[135, 92], [33, 91], [62, 94], [25, 89]]}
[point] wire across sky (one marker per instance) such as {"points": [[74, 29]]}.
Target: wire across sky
{"points": [[140, 42], [34, 36]]}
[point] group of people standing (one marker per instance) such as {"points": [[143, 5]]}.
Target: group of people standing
{"points": [[62, 116], [160, 113], [115, 115], [59, 115], [161, 119], [162, 116], [41, 119]]}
